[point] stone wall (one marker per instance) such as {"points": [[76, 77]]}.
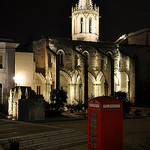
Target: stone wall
{"points": [[141, 55], [7, 72], [141, 37]]}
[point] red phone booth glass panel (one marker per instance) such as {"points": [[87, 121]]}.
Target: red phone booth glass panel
{"points": [[105, 124]]}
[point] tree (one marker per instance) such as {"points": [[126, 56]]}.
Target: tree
{"points": [[58, 99], [123, 97]]}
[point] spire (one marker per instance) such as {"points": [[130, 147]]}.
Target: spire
{"points": [[85, 4]]}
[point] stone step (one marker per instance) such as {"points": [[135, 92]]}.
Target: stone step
{"points": [[53, 139], [49, 139], [55, 144], [62, 145]]}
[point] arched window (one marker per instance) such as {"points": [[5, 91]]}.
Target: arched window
{"points": [[81, 23], [86, 54], [74, 26], [61, 58], [102, 63], [49, 60], [90, 25]]}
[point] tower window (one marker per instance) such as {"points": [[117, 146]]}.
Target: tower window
{"points": [[74, 26], [90, 25], [81, 30], [1, 61], [38, 90]]}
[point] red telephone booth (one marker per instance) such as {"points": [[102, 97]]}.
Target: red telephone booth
{"points": [[105, 124]]}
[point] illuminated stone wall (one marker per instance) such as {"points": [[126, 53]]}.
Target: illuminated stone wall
{"points": [[72, 69], [7, 69], [71, 55], [142, 78]]}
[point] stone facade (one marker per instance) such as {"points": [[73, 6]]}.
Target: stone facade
{"points": [[138, 48], [70, 65], [7, 67]]}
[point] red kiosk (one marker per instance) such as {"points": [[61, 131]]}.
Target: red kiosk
{"points": [[105, 124]]}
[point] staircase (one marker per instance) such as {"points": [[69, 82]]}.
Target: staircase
{"points": [[52, 140]]}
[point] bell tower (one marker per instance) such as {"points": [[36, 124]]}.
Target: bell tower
{"points": [[85, 21]]}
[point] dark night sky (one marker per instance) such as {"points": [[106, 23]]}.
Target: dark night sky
{"points": [[20, 19]]}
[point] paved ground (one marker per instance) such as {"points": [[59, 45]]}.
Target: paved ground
{"points": [[134, 129], [10, 128]]}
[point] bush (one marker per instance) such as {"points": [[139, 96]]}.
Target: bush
{"points": [[126, 104], [137, 112], [58, 101], [50, 110], [76, 107]]}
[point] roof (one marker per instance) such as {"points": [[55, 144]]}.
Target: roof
{"points": [[6, 40], [139, 32], [85, 4], [25, 48]]}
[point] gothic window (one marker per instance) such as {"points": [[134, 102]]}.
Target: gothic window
{"points": [[49, 60], [38, 90], [81, 23], [90, 25], [1, 61], [86, 54], [61, 58], [74, 26], [102, 63]]}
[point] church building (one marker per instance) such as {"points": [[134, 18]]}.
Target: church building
{"points": [[83, 66]]}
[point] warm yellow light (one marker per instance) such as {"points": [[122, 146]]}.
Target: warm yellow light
{"points": [[18, 79]]}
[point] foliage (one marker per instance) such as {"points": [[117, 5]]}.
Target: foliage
{"points": [[4, 109], [76, 106], [58, 101], [126, 104]]}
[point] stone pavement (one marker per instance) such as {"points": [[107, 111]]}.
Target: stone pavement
{"points": [[38, 136], [134, 130]]}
